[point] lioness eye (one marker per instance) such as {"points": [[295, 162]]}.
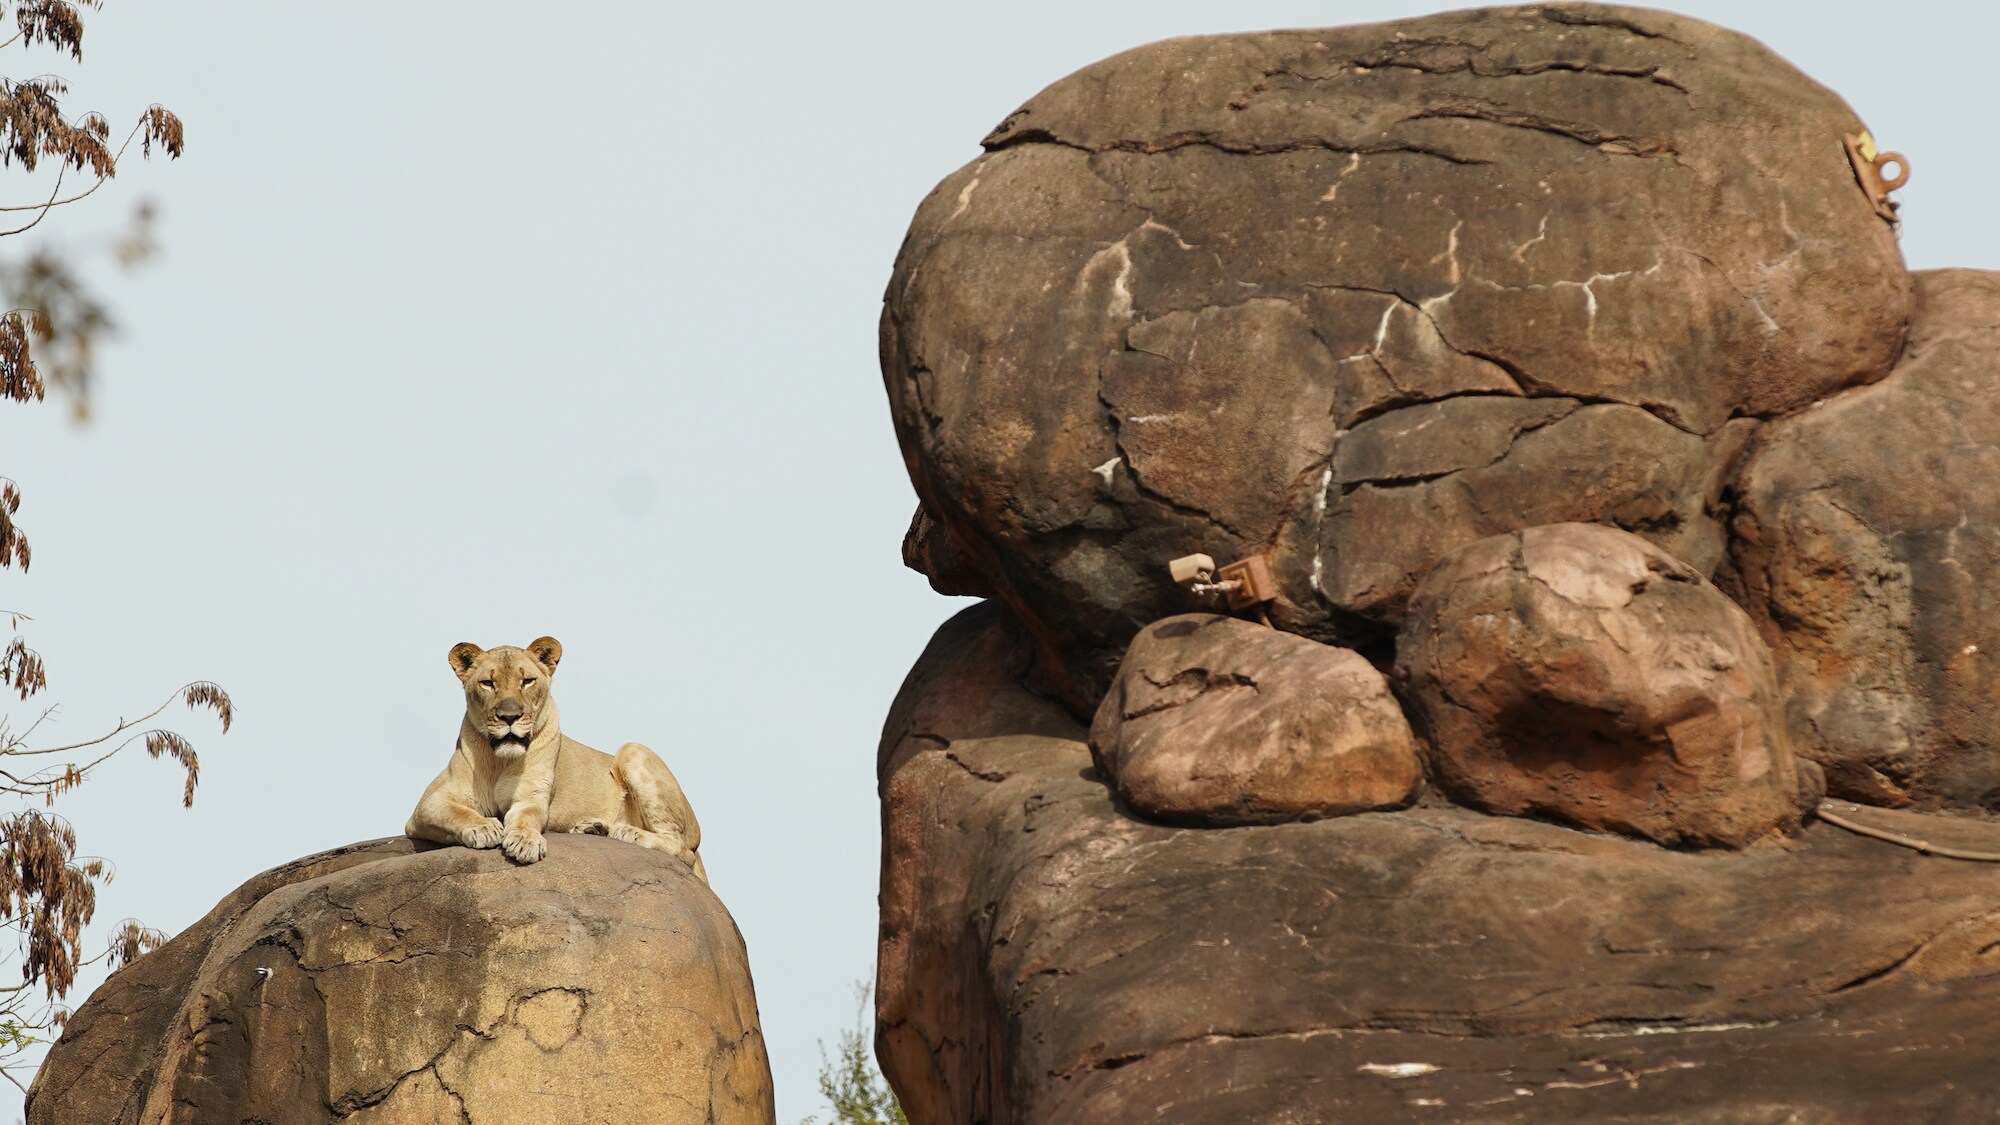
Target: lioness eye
{"points": [[487, 684], [527, 681]]}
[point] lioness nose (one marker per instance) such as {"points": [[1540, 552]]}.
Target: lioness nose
{"points": [[508, 711]]}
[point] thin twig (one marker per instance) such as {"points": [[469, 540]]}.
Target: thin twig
{"points": [[58, 202], [37, 782], [10, 740], [123, 726], [46, 207]]}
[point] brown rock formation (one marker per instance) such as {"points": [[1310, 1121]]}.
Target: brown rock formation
{"points": [[929, 550], [1868, 547], [397, 983], [1497, 333], [1049, 959], [1357, 296], [1579, 672], [1215, 721]]}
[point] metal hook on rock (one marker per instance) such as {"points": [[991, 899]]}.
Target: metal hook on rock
{"points": [[1868, 165]]}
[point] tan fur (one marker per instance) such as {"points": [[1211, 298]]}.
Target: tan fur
{"points": [[515, 774]]}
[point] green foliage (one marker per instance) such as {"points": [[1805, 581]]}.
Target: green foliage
{"points": [[14, 1037], [853, 1088]]}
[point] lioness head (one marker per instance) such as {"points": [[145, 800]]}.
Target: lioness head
{"points": [[507, 690]]}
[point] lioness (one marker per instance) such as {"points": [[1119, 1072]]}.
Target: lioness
{"points": [[514, 762]]}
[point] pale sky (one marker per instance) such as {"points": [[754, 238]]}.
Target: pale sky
{"points": [[484, 321]]}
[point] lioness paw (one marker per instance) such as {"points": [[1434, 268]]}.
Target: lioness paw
{"points": [[592, 827], [485, 834], [524, 847]]}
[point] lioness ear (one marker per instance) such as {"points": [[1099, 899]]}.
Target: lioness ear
{"points": [[462, 655], [548, 650]]}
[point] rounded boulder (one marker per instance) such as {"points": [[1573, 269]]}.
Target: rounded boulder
{"points": [[400, 983], [1579, 673], [1214, 721]]}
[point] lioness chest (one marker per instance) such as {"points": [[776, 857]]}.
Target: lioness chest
{"points": [[584, 786]]}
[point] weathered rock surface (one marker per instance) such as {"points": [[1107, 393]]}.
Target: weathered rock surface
{"points": [[1579, 672], [1048, 959], [1358, 296], [1868, 549], [399, 983], [929, 550], [1215, 721]]}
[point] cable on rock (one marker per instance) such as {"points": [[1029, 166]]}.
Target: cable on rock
{"points": [[1923, 846]]}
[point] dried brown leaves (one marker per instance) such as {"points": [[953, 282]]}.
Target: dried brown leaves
{"points": [[174, 746], [131, 940], [47, 895], [48, 336], [21, 670], [19, 380], [165, 743], [53, 23], [13, 545], [47, 339], [201, 694], [32, 128], [162, 128]]}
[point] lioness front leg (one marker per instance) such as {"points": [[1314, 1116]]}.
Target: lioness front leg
{"points": [[487, 833], [522, 841], [444, 821]]}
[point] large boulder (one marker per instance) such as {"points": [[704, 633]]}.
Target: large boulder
{"points": [[1048, 958], [400, 983], [1579, 672], [1867, 546], [1217, 721], [1353, 297]]}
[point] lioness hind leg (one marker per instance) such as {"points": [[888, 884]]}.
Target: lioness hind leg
{"points": [[633, 834], [591, 827], [657, 811], [659, 842]]}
